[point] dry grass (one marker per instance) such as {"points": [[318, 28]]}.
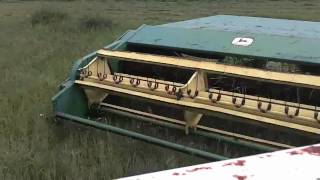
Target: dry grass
{"points": [[96, 22], [47, 16], [34, 60]]}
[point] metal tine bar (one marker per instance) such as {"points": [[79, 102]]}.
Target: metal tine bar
{"points": [[263, 101], [147, 80], [175, 86]]}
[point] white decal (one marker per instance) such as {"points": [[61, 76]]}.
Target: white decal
{"points": [[242, 41]]}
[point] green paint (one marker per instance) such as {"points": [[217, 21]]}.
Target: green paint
{"points": [[281, 40], [264, 46]]}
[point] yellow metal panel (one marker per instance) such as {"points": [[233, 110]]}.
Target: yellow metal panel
{"points": [[251, 73], [200, 106], [305, 116]]}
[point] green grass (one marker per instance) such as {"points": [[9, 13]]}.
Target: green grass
{"points": [[36, 57]]}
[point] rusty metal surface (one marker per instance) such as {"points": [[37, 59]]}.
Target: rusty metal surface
{"points": [[294, 164]]}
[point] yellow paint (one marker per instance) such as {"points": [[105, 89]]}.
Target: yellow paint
{"points": [[196, 105], [251, 73]]}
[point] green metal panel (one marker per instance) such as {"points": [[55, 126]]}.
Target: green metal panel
{"points": [[297, 46], [71, 99], [258, 25]]}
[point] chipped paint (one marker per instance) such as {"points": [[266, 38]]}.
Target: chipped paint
{"points": [[313, 150], [240, 177], [294, 164], [175, 174], [191, 171], [236, 163], [198, 168], [294, 152]]}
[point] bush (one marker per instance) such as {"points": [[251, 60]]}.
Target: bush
{"points": [[95, 23], [47, 16]]}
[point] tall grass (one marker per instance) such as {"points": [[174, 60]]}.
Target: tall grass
{"points": [[95, 23], [47, 16], [37, 48]]}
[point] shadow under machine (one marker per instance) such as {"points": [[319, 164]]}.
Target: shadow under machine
{"points": [[216, 87]]}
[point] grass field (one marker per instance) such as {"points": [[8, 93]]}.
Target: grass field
{"points": [[36, 54]]}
